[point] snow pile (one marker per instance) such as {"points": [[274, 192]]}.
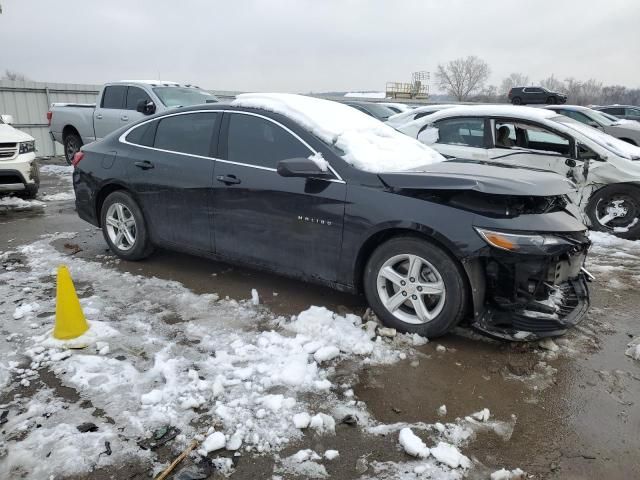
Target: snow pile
{"points": [[59, 197], [367, 143], [450, 456], [262, 379], [19, 203], [412, 444], [633, 349], [504, 474], [303, 463], [365, 95]]}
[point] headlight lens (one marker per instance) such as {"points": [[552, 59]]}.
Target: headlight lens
{"points": [[26, 147], [521, 243]]}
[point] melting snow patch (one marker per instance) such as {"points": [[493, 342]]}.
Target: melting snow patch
{"points": [[412, 444], [450, 455], [59, 197], [504, 474], [633, 349], [303, 463], [19, 204]]}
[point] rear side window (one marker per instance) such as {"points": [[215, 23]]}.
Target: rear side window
{"points": [[614, 111], [190, 133], [462, 131], [134, 95], [113, 97], [633, 112], [143, 135], [256, 141]]}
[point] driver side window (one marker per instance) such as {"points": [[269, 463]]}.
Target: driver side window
{"points": [[513, 135]]}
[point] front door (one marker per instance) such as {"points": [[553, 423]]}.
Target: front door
{"points": [[530, 145], [293, 225], [107, 116], [134, 96], [172, 174]]}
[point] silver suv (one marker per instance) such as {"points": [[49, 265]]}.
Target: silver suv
{"points": [[627, 131]]}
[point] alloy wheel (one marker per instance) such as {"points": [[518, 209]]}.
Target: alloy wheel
{"points": [[411, 289], [121, 226]]}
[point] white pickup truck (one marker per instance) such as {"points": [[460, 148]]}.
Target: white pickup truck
{"points": [[119, 104]]}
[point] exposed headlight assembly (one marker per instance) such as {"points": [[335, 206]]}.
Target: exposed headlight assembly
{"points": [[27, 147], [522, 243]]}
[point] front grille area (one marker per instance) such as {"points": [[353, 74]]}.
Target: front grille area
{"points": [[8, 150]]}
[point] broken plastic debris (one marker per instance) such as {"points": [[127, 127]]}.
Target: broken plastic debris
{"points": [[87, 427], [159, 438]]}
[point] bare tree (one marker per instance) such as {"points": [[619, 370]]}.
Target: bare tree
{"points": [[553, 84], [514, 80], [463, 76], [11, 75]]}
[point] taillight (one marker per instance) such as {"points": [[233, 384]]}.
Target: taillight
{"points": [[77, 158], [49, 116]]}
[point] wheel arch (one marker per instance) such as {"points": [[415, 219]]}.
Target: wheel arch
{"points": [[104, 192], [69, 130], [387, 232]]}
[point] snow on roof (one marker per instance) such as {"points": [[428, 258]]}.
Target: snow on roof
{"points": [[366, 94], [404, 117], [368, 144]]}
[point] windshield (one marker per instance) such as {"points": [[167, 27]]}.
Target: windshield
{"points": [[183, 96], [599, 117], [612, 144], [379, 111], [615, 120]]}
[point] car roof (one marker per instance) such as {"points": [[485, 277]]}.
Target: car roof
{"points": [[576, 108], [530, 113]]}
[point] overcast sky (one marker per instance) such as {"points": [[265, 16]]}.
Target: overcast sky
{"points": [[316, 45]]}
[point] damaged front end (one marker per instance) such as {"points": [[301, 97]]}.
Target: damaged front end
{"points": [[535, 285]]}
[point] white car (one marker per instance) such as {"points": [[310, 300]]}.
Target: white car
{"points": [[397, 107], [18, 166], [605, 169], [414, 114]]}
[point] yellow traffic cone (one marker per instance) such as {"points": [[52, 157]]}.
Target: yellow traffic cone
{"points": [[70, 321]]}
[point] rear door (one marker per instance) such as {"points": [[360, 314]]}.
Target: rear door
{"points": [[292, 225], [462, 137], [632, 113], [535, 95], [108, 114], [171, 171], [131, 114]]}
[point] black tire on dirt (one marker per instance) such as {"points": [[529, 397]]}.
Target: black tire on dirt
{"points": [[516, 101], [30, 191], [622, 200], [72, 144], [451, 273], [142, 246]]}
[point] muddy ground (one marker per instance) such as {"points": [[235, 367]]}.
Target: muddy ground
{"points": [[576, 410]]}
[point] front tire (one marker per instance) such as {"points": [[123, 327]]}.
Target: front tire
{"points": [[72, 145], [415, 287], [30, 191], [616, 209], [124, 227]]}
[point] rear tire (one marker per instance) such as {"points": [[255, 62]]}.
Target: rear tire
{"points": [[551, 101], [124, 227], [516, 101], [422, 266], [72, 145], [616, 207]]}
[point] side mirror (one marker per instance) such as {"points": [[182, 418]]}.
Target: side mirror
{"points": [[146, 107], [8, 119], [585, 153], [301, 167], [570, 162]]}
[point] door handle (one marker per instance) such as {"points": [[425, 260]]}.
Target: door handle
{"points": [[124, 118], [146, 165], [99, 116], [228, 179]]}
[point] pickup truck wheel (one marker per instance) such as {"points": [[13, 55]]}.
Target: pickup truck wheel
{"points": [[616, 209], [415, 287], [124, 227], [551, 100], [72, 144], [516, 101]]}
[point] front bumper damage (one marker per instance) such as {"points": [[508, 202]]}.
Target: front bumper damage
{"points": [[526, 297]]}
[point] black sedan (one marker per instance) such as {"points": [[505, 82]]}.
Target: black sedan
{"points": [[449, 242]]}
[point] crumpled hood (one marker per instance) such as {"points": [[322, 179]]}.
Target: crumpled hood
{"points": [[8, 134], [482, 177]]}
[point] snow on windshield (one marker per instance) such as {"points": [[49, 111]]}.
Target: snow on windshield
{"points": [[619, 147], [368, 144]]}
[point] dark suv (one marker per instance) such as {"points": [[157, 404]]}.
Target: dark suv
{"points": [[527, 95]]}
